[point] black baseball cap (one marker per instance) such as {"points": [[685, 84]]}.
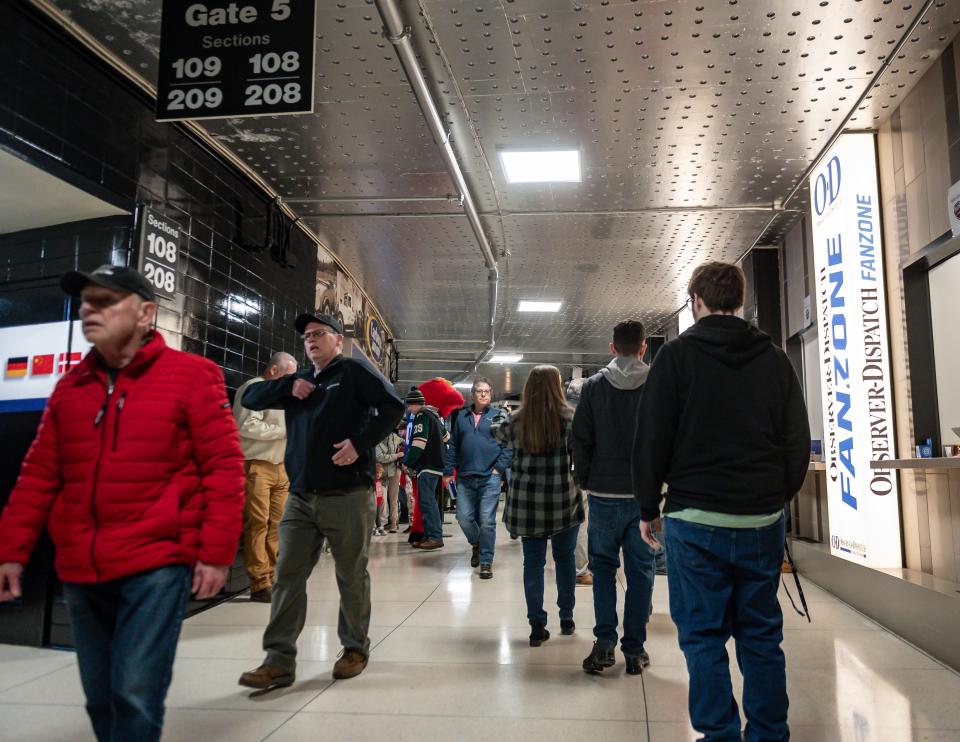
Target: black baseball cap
{"points": [[330, 321], [116, 277]]}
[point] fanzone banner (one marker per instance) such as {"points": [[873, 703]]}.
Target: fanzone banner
{"points": [[34, 358], [854, 361]]}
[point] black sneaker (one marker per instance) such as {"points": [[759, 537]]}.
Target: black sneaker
{"points": [[600, 658], [635, 665], [475, 556], [486, 571], [567, 627], [538, 633]]}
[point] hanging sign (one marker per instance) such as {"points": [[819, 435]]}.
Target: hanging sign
{"points": [[159, 252], [229, 59], [854, 360]]}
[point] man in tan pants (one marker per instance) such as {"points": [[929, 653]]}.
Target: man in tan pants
{"points": [[263, 436]]}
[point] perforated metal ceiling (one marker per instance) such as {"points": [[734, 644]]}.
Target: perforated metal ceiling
{"points": [[676, 104]]}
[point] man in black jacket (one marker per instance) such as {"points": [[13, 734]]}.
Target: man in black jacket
{"points": [[722, 422], [602, 439], [336, 413]]}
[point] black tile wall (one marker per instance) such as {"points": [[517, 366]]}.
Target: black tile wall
{"points": [[70, 114]]}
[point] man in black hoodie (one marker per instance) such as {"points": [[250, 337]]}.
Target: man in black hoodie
{"points": [[722, 422], [602, 441]]}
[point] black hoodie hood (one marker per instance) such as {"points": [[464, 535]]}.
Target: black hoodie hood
{"points": [[727, 338]]}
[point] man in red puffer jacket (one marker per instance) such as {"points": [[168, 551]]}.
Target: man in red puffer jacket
{"points": [[137, 472]]}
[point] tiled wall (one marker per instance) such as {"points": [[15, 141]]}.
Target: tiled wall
{"points": [[919, 156], [66, 112]]}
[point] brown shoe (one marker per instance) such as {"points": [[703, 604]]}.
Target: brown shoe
{"points": [[350, 664], [585, 579], [261, 596], [267, 677], [430, 544]]}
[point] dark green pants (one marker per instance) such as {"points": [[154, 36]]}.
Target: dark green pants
{"points": [[345, 519]]}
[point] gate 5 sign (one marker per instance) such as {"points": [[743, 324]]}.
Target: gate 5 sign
{"points": [[241, 58], [159, 251], [854, 360]]}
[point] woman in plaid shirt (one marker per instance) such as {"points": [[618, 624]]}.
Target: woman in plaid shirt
{"points": [[543, 502]]}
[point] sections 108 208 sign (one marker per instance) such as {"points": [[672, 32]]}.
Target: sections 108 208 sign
{"points": [[160, 252], [229, 59]]}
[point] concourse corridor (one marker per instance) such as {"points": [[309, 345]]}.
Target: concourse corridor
{"points": [[451, 662]]}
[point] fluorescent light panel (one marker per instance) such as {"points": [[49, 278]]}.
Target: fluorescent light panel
{"points": [[541, 166], [506, 358], [527, 305], [464, 385]]}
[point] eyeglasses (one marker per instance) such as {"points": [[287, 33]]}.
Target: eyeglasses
{"points": [[482, 392], [317, 334]]}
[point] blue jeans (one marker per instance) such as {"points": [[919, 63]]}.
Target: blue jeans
{"points": [[477, 501], [534, 560], [723, 582], [427, 485], [126, 633], [614, 526], [660, 557]]}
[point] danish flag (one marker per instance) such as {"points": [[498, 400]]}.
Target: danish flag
{"points": [[64, 363]]}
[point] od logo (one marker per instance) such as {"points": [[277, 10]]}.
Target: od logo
{"points": [[826, 188], [835, 541]]}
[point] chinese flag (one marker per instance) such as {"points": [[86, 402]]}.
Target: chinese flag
{"points": [[42, 365], [64, 364]]}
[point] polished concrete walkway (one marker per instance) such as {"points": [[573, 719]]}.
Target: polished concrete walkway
{"points": [[451, 662]]}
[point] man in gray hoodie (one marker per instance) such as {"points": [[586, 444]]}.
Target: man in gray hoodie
{"points": [[602, 438]]}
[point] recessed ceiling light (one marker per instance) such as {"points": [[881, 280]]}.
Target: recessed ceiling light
{"points": [[541, 165], [538, 306], [505, 358]]}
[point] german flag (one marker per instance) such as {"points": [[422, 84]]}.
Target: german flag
{"points": [[42, 365], [16, 367]]}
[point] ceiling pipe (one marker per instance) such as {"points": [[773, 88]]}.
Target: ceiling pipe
{"points": [[449, 198], [839, 131], [400, 35], [775, 209], [842, 129]]}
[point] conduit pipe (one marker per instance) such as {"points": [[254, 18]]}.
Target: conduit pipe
{"points": [[399, 34], [842, 129]]}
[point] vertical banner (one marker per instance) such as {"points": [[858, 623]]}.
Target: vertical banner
{"points": [[854, 362]]}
